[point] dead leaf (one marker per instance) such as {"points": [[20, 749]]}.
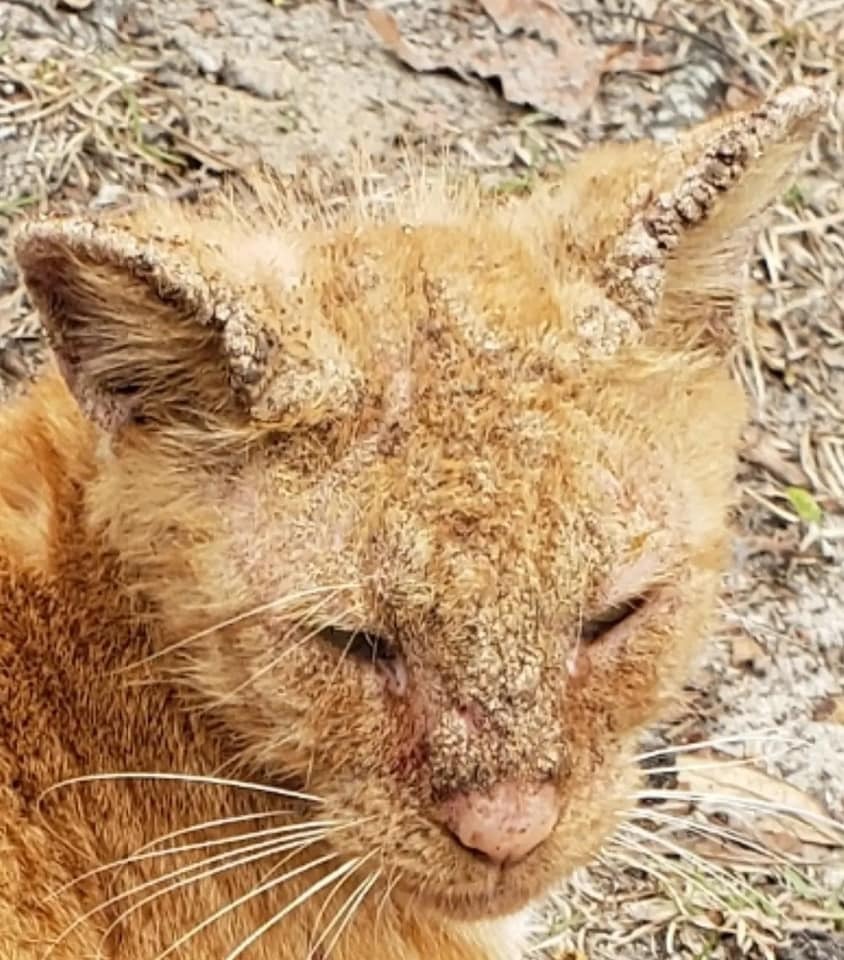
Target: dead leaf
{"points": [[830, 710], [762, 449], [734, 854], [205, 22], [627, 58], [387, 28], [536, 51], [803, 819], [548, 65], [650, 911]]}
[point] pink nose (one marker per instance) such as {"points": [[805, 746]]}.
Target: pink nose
{"points": [[504, 823]]}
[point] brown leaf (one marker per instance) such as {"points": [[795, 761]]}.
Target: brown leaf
{"points": [[558, 73], [624, 57], [830, 710], [736, 98], [205, 22], [387, 28], [716, 851], [762, 449], [537, 54], [802, 818]]}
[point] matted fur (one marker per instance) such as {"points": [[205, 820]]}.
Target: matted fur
{"points": [[467, 426]]}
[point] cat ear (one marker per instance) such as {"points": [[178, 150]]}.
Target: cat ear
{"points": [[150, 331], [680, 255]]}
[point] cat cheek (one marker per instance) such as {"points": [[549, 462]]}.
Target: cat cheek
{"points": [[618, 674]]}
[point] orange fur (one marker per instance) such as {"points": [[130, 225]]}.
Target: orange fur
{"points": [[460, 425]]}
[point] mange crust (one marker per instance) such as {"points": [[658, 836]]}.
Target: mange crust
{"points": [[492, 439]]}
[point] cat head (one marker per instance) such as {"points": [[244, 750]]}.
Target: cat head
{"points": [[430, 496]]}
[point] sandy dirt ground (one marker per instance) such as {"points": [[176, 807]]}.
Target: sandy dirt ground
{"points": [[101, 100]]}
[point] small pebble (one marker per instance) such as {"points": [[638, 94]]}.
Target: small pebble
{"points": [[266, 79]]}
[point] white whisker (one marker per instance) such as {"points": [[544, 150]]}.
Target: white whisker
{"points": [[255, 611], [338, 914], [391, 884], [181, 778], [739, 887], [210, 824], [715, 765], [256, 935], [761, 806], [709, 830], [346, 825], [350, 908], [318, 920], [145, 854], [264, 849], [245, 898], [766, 735], [295, 846]]}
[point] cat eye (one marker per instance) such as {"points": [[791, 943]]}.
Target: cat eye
{"points": [[359, 644], [595, 628]]}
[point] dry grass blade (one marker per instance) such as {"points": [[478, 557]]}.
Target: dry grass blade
{"points": [[764, 736], [831, 828], [719, 877]]}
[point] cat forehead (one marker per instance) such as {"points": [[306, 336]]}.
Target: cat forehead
{"points": [[447, 258], [465, 484]]}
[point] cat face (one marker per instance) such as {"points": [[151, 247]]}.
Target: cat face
{"points": [[499, 595], [431, 499]]}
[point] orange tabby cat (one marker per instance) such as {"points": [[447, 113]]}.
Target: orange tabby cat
{"points": [[381, 531]]}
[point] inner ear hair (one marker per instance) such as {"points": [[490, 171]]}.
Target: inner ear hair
{"points": [[137, 328]]}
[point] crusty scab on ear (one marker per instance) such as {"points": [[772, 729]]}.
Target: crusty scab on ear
{"points": [[658, 236], [154, 324], [148, 329], [692, 224]]}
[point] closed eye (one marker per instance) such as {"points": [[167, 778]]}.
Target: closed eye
{"points": [[359, 644], [596, 628]]}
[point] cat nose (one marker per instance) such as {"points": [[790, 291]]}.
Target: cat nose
{"points": [[504, 823]]}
